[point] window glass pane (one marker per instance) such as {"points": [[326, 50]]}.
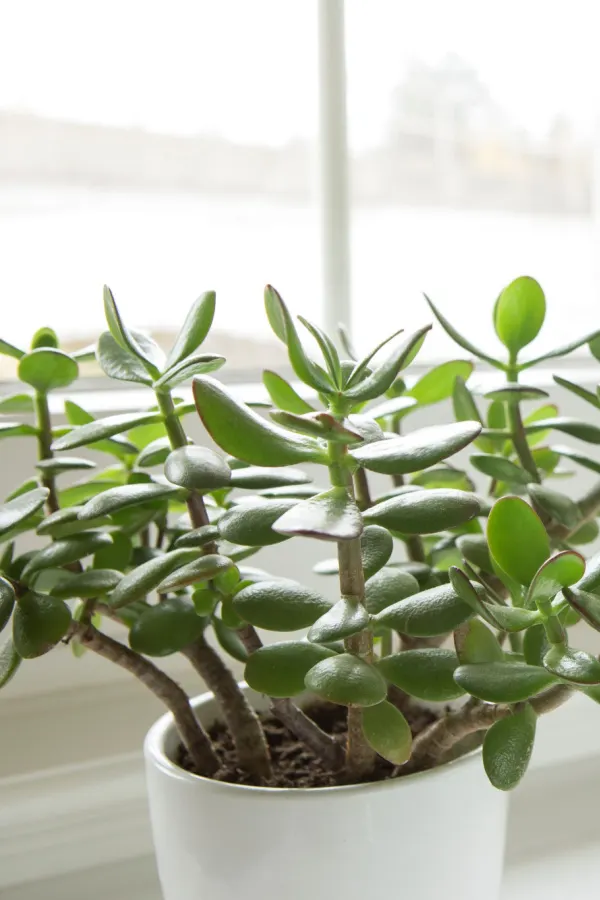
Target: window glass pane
{"points": [[472, 133], [163, 149]]}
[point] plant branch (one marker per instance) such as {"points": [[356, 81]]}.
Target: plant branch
{"points": [[168, 691], [361, 490], [43, 425]]}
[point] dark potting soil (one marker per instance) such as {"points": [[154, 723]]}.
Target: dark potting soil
{"points": [[295, 765]]}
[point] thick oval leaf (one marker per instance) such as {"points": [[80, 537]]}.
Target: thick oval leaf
{"points": [[512, 618], [47, 369], [64, 464], [391, 407], [284, 396], [205, 601], [376, 545], [206, 534], [17, 511], [387, 587], [503, 682], [575, 666], [560, 507], [282, 605], [558, 572], [332, 516], [388, 732], [459, 339], [475, 643], [416, 451], [438, 610], [166, 628], [261, 477], [279, 670], [580, 458], [16, 429], [120, 364], [244, 434], [251, 524], [7, 349], [154, 454], [201, 364], [100, 429], [507, 748], [145, 578], [347, 680], [585, 431], [500, 468], [125, 338], [16, 403], [197, 468], [579, 391], [474, 549], [586, 604], [343, 619], [379, 381], [443, 476], [65, 522], [426, 511], [203, 569], [327, 348], [535, 645], [67, 550], [9, 662], [194, 330], [229, 640], [425, 674], [517, 538], [516, 393], [92, 583], [438, 383], [124, 496], [519, 313], [283, 326], [39, 623], [7, 602], [356, 371]]}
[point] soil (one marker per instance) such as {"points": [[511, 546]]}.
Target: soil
{"points": [[294, 765]]}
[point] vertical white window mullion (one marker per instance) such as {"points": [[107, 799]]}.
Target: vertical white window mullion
{"points": [[333, 167]]}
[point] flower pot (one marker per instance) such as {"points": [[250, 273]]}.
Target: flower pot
{"points": [[404, 837]]}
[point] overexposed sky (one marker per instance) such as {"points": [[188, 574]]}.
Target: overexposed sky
{"points": [[246, 69]]}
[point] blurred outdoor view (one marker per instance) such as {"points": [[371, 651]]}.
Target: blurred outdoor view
{"points": [[167, 149]]}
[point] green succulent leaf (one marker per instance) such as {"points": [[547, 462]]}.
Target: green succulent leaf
{"points": [[437, 610], [438, 384], [389, 586], [557, 505], [203, 569], [65, 522], [519, 313], [120, 364], [387, 732], [115, 446], [327, 348], [281, 605], [443, 476], [284, 396], [195, 328], [360, 369], [198, 537], [500, 468], [93, 583], [9, 661], [376, 548], [262, 477], [251, 523], [586, 604], [459, 339], [393, 407], [560, 571], [347, 680], [47, 369], [475, 643], [197, 468], [279, 670], [200, 364], [7, 602], [345, 617], [575, 666], [125, 338], [166, 628], [331, 516], [507, 748], [283, 326], [245, 435], [580, 458], [465, 408], [425, 511], [512, 618], [474, 549], [18, 511], [7, 349], [44, 337], [117, 498], [517, 539], [67, 550], [584, 431], [416, 451], [16, 429], [146, 577], [579, 391], [16, 403], [503, 682], [100, 429], [39, 623], [56, 466], [535, 645], [564, 350], [426, 674], [379, 381], [229, 640], [154, 454], [516, 393]]}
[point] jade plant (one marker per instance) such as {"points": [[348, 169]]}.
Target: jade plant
{"points": [[456, 581]]}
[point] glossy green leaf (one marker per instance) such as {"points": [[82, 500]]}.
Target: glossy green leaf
{"points": [[197, 468], [44, 337], [195, 328], [203, 569], [9, 661], [578, 390], [345, 617], [498, 682], [120, 364], [198, 537], [387, 587], [125, 338], [438, 610], [332, 516], [438, 384], [7, 349], [587, 533], [283, 394], [564, 350], [586, 604], [512, 618], [66, 550], [560, 571], [376, 548], [391, 407], [251, 524], [359, 370], [459, 339], [115, 446], [7, 602], [517, 538], [115, 499], [507, 748], [575, 666], [100, 429], [281, 605], [514, 394], [16, 512], [229, 640], [545, 459], [580, 458], [205, 600], [475, 643], [519, 313], [244, 434], [65, 522], [426, 674], [200, 364], [327, 348], [92, 583], [347, 680], [585, 431], [47, 369], [535, 645], [416, 451], [474, 549], [147, 576], [560, 507], [154, 454], [283, 326], [465, 408], [39, 623], [261, 477], [319, 425], [16, 403], [279, 670], [166, 628], [16, 429], [500, 468], [425, 512], [64, 464], [443, 476], [387, 732], [383, 377]]}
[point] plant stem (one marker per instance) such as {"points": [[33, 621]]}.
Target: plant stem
{"points": [[517, 430], [361, 490], [168, 691], [43, 425]]}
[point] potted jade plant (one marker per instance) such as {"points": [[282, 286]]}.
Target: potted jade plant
{"points": [[345, 760]]}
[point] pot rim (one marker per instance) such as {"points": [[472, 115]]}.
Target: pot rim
{"points": [[154, 753]]}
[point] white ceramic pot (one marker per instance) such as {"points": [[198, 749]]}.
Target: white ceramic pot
{"points": [[430, 835]]}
